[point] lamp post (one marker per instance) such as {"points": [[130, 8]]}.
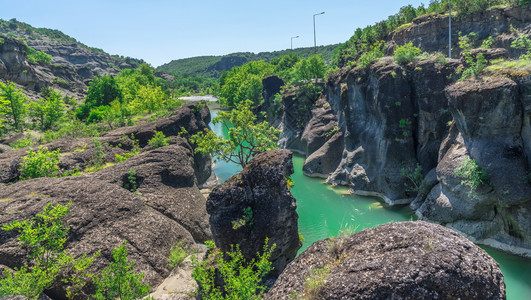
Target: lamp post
{"points": [[293, 37], [314, 39], [450, 29]]}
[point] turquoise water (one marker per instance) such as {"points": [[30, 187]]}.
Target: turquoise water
{"points": [[326, 211]]}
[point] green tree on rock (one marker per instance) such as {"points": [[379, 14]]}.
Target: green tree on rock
{"points": [[12, 106], [246, 137]]}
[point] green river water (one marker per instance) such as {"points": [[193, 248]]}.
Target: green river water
{"points": [[325, 210]]}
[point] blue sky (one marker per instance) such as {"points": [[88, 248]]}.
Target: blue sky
{"points": [[159, 31]]}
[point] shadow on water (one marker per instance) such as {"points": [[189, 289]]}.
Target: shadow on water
{"points": [[325, 210]]}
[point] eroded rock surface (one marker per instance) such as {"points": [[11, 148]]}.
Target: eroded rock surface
{"points": [[407, 260], [261, 188]]}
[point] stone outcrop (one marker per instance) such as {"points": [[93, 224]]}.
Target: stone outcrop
{"points": [[489, 114], [430, 32], [260, 197], [151, 200], [407, 260]]}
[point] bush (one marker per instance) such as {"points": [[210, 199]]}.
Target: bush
{"points": [[159, 140], [35, 56], [406, 54], [44, 236], [41, 163], [119, 280], [241, 279], [372, 55], [474, 174], [178, 253]]}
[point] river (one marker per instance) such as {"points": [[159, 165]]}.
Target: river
{"points": [[326, 211]]}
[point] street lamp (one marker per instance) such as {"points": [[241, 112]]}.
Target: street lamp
{"points": [[450, 29], [314, 39], [293, 37]]}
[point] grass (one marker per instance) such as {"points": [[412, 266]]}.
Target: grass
{"points": [[520, 67], [93, 169]]}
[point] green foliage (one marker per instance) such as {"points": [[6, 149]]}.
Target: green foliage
{"points": [[523, 42], [406, 54], [119, 280], [35, 56], [487, 43], [415, 177], [131, 181], [41, 163], [178, 253], [159, 140], [99, 156], [246, 219], [314, 283], [246, 137], [331, 132], [101, 92], [12, 107], [244, 83], [23, 143], [241, 279], [374, 52], [48, 110], [474, 174], [210, 66], [475, 64], [309, 69], [44, 236], [73, 129]]}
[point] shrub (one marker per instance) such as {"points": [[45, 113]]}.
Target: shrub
{"points": [[23, 143], [178, 253], [372, 55], [44, 236], [159, 140], [35, 56], [241, 279], [41, 163], [314, 283], [474, 174], [416, 180], [406, 54], [119, 280]]}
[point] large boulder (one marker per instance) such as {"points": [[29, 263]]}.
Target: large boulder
{"points": [[407, 260], [259, 195]]}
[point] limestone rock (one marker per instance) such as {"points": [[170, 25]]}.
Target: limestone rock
{"points": [[407, 260], [262, 188]]}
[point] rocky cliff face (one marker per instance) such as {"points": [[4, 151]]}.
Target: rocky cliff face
{"points": [[400, 132], [392, 120], [407, 260], [33, 77], [72, 67], [152, 210], [257, 204]]}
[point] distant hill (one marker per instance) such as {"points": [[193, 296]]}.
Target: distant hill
{"points": [[213, 66]]}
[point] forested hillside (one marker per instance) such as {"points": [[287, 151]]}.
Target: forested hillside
{"points": [[213, 66]]}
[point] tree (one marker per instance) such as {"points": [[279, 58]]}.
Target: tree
{"points": [[119, 280], [246, 138], [101, 91], [12, 106], [48, 110]]}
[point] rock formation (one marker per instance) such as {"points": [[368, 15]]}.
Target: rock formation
{"points": [[407, 260], [376, 127], [150, 200], [257, 204]]}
